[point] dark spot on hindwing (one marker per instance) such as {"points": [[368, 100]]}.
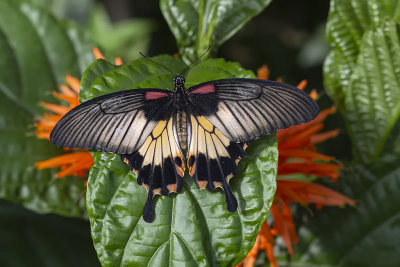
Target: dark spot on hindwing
{"points": [[144, 176], [201, 170], [169, 172], [216, 177], [236, 150], [134, 161], [156, 181], [228, 166], [191, 161], [178, 161]]}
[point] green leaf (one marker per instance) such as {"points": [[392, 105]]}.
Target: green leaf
{"points": [[73, 9], [123, 39], [190, 226], [200, 24], [30, 239], [36, 50], [366, 235], [95, 69], [372, 99], [361, 72], [103, 77]]}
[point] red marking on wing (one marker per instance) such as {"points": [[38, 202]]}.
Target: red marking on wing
{"points": [[209, 88], [154, 95]]}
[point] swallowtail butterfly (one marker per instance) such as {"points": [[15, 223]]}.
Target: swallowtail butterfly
{"points": [[161, 133]]}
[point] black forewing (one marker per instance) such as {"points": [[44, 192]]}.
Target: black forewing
{"points": [[244, 109], [119, 122]]}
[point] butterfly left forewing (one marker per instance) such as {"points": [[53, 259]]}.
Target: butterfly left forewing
{"points": [[212, 158], [118, 122], [158, 164]]}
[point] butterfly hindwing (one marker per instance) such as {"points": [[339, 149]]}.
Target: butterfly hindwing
{"points": [[119, 122], [212, 158], [158, 164], [245, 109]]}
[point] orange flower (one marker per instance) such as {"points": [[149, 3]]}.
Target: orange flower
{"points": [[69, 94], [78, 161], [297, 155]]}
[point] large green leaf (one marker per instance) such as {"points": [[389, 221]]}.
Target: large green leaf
{"points": [[367, 235], [30, 239], [361, 72], [200, 24], [372, 99], [192, 226], [36, 50]]}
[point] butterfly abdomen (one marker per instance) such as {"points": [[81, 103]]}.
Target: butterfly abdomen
{"points": [[181, 129]]}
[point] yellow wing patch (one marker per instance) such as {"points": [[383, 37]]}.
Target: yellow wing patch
{"points": [[159, 129]]}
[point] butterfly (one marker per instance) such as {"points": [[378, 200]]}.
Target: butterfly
{"points": [[204, 129]]}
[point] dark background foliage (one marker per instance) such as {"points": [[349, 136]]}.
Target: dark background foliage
{"points": [[288, 36]]}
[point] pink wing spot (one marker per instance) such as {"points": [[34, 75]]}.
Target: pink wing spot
{"points": [[154, 95], [204, 89]]}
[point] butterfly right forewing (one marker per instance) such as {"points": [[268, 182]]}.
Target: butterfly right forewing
{"points": [[245, 109]]}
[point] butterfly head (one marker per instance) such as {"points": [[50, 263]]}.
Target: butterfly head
{"points": [[179, 82]]}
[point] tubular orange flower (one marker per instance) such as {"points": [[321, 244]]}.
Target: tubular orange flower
{"points": [[78, 161], [297, 155], [67, 93]]}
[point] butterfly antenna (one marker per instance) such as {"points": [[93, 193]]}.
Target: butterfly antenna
{"points": [[157, 63], [208, 49]]}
